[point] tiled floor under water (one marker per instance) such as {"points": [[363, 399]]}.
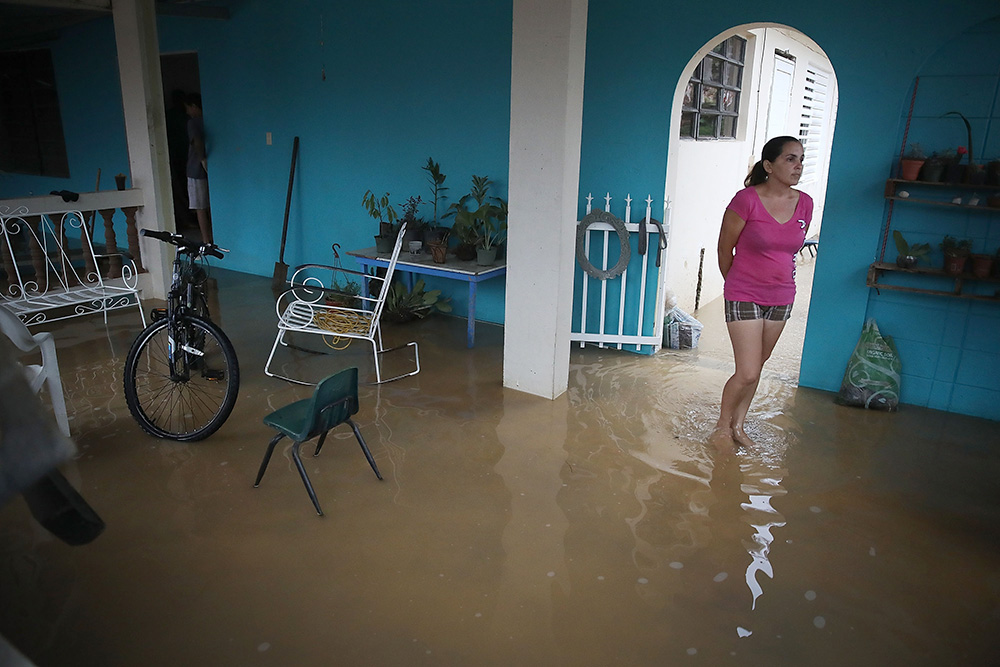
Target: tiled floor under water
{"points": [[594, 529]]}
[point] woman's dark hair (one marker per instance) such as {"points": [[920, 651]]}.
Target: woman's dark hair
{"points": [[772, 151]]}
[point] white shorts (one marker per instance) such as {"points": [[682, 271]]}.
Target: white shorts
{"points": [[198, 193]]}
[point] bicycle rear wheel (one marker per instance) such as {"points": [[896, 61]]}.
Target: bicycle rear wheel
{"points": [[181, 382]]}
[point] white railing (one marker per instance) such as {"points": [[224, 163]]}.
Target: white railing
{"points": [[622, 314]]}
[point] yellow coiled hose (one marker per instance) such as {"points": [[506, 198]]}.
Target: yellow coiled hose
{"points": [[341, 323]]}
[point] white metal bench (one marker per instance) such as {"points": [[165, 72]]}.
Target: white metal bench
{"points": [[51, 271]]}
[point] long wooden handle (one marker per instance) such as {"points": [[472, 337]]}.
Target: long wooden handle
{"points": [[288, 200]]}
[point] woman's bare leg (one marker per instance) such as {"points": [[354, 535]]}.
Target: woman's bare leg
{"points": [[769, 338], [753, 341], [746, 337]]}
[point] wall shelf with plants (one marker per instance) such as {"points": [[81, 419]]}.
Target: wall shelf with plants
{"points": [[947, 183], [877, 271], [967, 270]]}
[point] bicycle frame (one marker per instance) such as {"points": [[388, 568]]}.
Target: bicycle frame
{"points": [[184, 298]]}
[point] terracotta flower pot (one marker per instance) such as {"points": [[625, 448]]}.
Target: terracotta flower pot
{"points": [[955, 264], [909, 170], [439, 251], [982, 265]]}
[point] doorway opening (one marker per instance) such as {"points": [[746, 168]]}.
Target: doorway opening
{"points": [[180, 77], [763, 80]]}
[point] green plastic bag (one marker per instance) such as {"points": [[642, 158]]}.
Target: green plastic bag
{"points": [[872, 376]]}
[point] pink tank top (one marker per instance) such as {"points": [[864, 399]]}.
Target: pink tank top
{"points": [[763, 269]]}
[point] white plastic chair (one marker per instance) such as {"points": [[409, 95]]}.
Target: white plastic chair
{"points": [[47, 373], [305, 309]]}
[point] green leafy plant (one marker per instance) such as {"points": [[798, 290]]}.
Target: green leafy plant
{"points": [[403, 305], [345, 295], [410, 206], [380, 209], [917, 250], [968, 131], [436, 180], [916, 152], [494, 229], [953, 247], [909, 255], [485, 224]]}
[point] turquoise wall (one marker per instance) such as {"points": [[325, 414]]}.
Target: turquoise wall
{"points": [[949, 347], [405, 81], [429, 79], [636, 52]]}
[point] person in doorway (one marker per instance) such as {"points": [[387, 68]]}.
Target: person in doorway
{"points": [[197, 167], [763, 227]]}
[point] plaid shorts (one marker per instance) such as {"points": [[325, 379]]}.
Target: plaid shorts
{"points": [[737, 311]]}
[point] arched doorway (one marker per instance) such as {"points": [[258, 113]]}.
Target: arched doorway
{"points": [[742, 87]]}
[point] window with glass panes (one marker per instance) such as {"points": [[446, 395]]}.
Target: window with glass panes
{"points": [[712, 98], [31, 131]]}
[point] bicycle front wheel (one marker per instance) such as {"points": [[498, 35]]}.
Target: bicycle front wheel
{"points": [[181, 381]]}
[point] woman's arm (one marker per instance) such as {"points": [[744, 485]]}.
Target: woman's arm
{"points": [[732, 227]]}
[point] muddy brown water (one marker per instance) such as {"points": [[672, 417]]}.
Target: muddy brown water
{"points": [[595, 529]]}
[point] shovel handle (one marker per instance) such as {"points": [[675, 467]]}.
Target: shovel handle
{"points": [[288, 200]]}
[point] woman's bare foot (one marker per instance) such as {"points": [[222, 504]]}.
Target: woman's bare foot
{"points": [[722, 438], [740, 436]]}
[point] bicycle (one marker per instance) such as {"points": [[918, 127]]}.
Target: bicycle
{"points": [[181, 373]]}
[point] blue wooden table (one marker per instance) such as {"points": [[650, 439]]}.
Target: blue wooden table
{"points": [[423, 264]]}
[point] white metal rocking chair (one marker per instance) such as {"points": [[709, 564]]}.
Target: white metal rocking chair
{"points": [[310, 306]]}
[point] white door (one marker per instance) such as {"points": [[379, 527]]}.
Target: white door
{"points": [[781, 96]]}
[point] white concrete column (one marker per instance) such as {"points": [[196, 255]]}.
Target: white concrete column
{"points": [[546, 116], [146, 133]]}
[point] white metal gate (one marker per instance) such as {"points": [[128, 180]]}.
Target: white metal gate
{"points": [[625, 311]]}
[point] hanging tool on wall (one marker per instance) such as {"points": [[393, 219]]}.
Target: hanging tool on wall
{"points": [[280, 268], [662, 245]]}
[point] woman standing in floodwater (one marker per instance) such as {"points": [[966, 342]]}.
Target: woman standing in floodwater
{"points": [[763, 227]]}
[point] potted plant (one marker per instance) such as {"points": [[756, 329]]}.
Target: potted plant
{"points": [[933, 171], [954, 170], [909, 255], [982, 265], [414, 225], [403, 305], [956, 252], [434, 231], [345, 295], [470, 223], [491, 235], [960, 174], [975, 174], [439, 246], [993, 172], [911, 163], [380, 209]]}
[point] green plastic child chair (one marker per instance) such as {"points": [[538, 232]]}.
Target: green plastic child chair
{"points": [[332, 404]]}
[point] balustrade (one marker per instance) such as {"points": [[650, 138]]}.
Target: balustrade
{"points": [[30, 253]]}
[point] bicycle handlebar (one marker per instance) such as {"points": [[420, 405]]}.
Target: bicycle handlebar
{"points": [[184, 244]]}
